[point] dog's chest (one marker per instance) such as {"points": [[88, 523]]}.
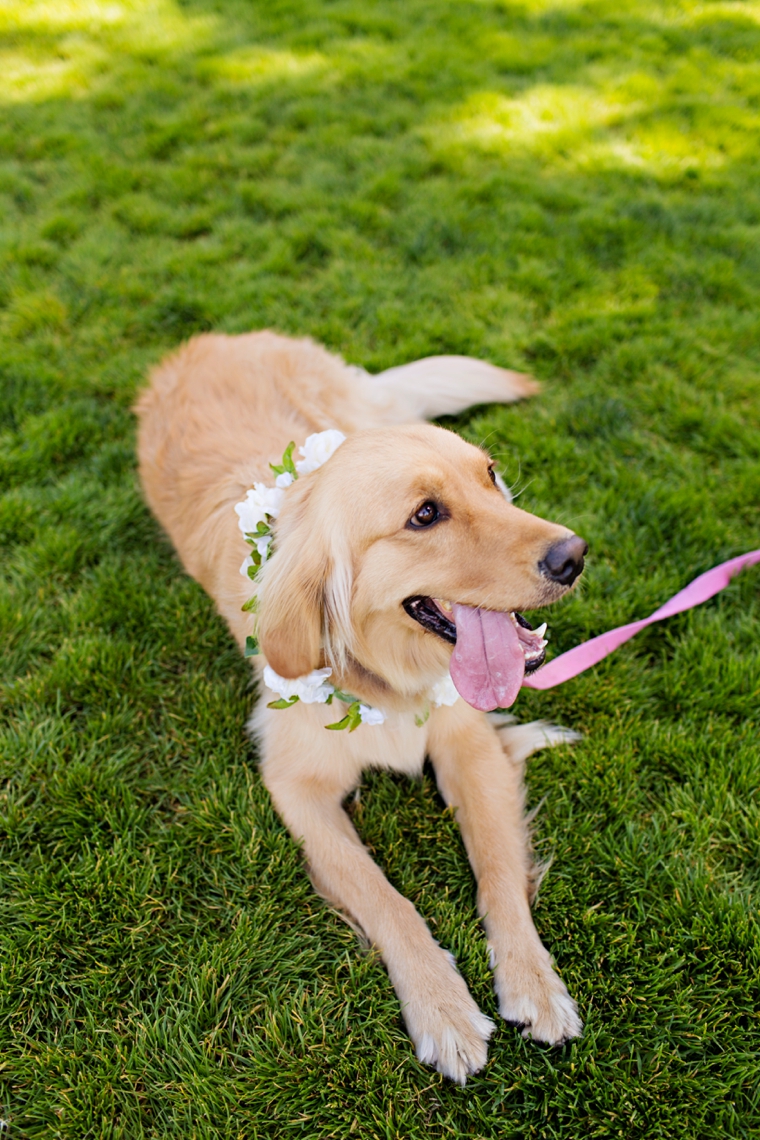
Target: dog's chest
{"points": [[294, 740], [400, 744]]}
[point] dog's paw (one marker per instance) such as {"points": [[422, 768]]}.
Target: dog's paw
{"points": [[533, 998], [446, 1026]]}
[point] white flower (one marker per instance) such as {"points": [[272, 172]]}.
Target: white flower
{"points": [[370, 715], [244, 567], [262, 546], [259, 502], [311, 688], [318, 449], [283, 480], [444, 692]]}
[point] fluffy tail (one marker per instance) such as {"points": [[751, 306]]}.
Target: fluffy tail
{"points": [[445, 385]]}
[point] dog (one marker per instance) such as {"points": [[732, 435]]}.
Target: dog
{"points": [[398, 559]]}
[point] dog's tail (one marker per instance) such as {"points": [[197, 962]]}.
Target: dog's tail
{"points": [[445, 385]]}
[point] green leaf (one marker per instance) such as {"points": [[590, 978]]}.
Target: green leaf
{"points": [[354, 716], [340, 723], [347, 698], [420, 720], [287, 462], [282, 703], [251, 606], [251, 648], [287, 459]]}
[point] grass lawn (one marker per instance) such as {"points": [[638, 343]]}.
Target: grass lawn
{"points": [[570, 187]]}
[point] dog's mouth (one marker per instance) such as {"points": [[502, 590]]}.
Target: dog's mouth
{"points": [[493, 649]]}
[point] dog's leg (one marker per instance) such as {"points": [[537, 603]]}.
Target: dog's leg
{"points": [[445, 385], [445, 1024], [485, 786]]}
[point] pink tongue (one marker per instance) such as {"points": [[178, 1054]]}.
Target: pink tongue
{"points": [[487, 665]]}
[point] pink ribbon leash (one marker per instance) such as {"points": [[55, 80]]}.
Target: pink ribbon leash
{"points": [[582, 657]]}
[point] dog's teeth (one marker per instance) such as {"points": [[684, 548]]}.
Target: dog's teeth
{"points": [[445, 606], [540, 631]]}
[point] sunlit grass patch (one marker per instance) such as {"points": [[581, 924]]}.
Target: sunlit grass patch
{"points": [[251, 65], [34, 77], [61, 50], [147, 20], [657, 126]]}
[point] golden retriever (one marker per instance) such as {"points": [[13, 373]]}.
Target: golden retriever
{"points": [[399, 558]]}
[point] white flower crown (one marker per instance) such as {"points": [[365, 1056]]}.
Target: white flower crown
{"points": [[256, 514]]}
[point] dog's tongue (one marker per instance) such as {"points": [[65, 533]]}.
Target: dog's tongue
{"points": [[488, 664]]}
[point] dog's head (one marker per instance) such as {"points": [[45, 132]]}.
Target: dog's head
{"points": [[400, 547]]}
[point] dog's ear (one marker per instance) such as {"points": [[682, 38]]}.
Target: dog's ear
{"points": [[291, 601], [304, 608]]}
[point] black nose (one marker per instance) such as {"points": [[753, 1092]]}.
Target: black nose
{"points": [[564, 561]]}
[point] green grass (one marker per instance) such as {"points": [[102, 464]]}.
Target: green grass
{"points": [[567, 186]]}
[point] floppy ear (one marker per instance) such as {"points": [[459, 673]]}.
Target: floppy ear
{"points": [[304, 606], [291, 599]]}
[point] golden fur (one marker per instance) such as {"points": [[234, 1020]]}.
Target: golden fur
{"points": [[212, 419]]}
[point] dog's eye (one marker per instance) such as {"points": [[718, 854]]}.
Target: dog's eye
{"points": [[426, 515], [492, 475]]}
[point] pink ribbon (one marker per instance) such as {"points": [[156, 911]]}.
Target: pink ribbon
{"points": [[577, 660]]}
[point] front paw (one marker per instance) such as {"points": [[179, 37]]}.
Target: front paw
{"points": [[532, 997], [445, 1024]]}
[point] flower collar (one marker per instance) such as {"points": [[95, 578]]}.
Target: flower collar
{"points": [[262, 504], [256, 515], [315, 689]]}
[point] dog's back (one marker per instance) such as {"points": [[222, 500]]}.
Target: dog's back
{"points": [[213, 417], [222, 403]]}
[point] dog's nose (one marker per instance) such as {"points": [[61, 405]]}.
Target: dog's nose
{"points": [[563, 562]]}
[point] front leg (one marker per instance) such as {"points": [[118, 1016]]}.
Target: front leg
{"points": [[485, 786], [445, 1024]]}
